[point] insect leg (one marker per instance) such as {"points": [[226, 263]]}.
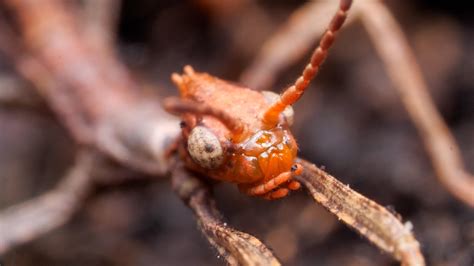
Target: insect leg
{"points": [[294, 185], [277, 194], [270, 185]]}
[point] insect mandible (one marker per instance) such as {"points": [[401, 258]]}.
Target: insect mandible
{"points": [[239, 135]]}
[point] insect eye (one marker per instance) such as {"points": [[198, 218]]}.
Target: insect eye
{"points": [[288, 113], [205, 148]]}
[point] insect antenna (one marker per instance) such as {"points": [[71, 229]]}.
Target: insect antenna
{"points": [[180, 106], [270, 116]]}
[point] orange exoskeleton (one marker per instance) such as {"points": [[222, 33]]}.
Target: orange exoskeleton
{"points": [[236, 134]]}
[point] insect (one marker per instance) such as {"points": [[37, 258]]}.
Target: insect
{"points": [[235, 134]]}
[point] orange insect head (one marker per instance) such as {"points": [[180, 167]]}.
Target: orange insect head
{"points": [[239, 135], [224, 134]]}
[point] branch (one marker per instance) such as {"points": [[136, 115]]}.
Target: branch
{"points": [[405, 73], [90, 90], [365, 216], [238, 248], [26, 221], [41, 79]]}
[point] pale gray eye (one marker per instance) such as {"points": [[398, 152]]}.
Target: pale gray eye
{"points": [[205, 148], [289, 113]]}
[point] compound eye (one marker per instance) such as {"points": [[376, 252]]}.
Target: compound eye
{"points": [[205, 148], [288, 113]]}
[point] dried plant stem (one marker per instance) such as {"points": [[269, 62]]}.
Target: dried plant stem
{"points": [[24, 222], [236, 247], [365, 216], [41, 79], [405, 73], [92, 92]]}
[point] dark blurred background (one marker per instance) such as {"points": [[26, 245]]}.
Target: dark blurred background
{"points": [[351, 121]]}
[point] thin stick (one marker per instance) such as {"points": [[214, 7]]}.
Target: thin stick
{"points": [[41, 79], [405, 73], [92, 92], [360, 213], [238, 248], [27, 221]]}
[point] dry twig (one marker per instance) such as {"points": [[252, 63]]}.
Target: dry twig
{"points": [[26, 221], [92, 92], [365, 216], [238, 248], [405, 73], [41, 79]]}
